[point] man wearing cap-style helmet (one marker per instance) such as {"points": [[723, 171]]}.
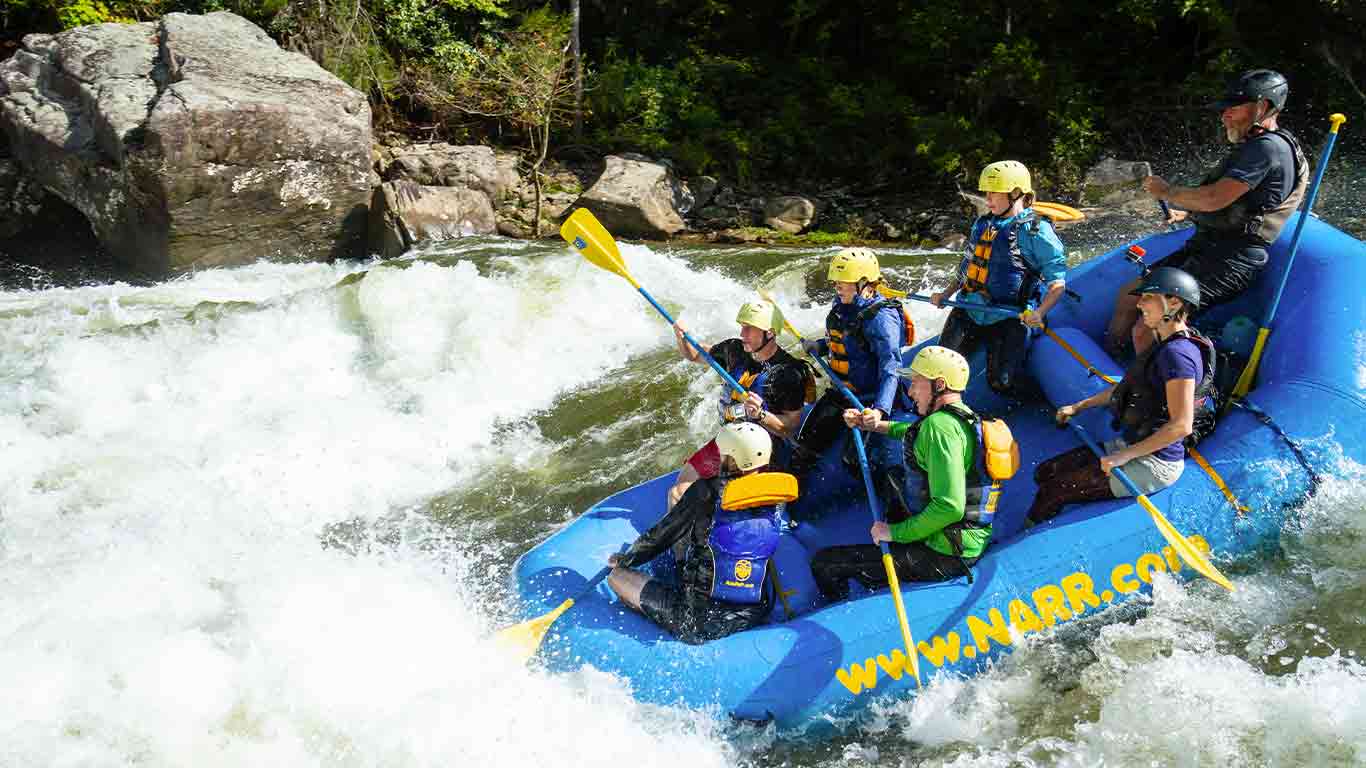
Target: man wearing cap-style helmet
{"points": [[1239, 209]]}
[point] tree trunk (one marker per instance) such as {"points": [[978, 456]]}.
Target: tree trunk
{"points": [[539, 135], [578, 72]]}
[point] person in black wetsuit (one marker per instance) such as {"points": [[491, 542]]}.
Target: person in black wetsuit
{"points": [[730, 527]]}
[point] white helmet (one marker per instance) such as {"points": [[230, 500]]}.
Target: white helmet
{"points": [[747, 444]]}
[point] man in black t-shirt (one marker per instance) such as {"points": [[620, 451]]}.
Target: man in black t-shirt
{"points": [[1238, 210], [778, 383]]}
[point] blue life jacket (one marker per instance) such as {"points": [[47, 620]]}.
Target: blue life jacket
{"points": [[851, 354], [742, 542], [996, 267]]}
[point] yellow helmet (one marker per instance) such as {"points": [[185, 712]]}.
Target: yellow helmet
{"points": [[1005, 176], [761, 314], [854, 264], [940, 363], [746, 443]]}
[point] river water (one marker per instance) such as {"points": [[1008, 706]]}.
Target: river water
{"points": [[264, 516]]}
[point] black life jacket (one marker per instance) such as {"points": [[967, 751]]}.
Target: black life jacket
{"points": [[730, 403], [1140, 409], [1262, 224]]}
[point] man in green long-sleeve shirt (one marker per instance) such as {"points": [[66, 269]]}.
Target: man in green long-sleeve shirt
{"points": [[953, 526]]}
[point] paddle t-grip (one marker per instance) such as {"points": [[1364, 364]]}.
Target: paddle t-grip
{"points": [[1135, 254]]}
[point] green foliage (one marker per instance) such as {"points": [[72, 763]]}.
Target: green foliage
{"points": [[885, 93], [344, 38], [413, 29], [1076, 142], [82, 12]]}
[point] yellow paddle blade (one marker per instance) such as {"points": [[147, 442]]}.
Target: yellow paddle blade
{"points": [[1249, 373], [1189, 554], [895, 584], [583, 231], [525, 639], [1058, 211], [890, 293]]}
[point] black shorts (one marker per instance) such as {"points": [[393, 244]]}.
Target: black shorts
{"points": [[697, 621], [1223, 268]]}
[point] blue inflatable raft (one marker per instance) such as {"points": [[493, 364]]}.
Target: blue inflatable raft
{"points": [[811, 661]]}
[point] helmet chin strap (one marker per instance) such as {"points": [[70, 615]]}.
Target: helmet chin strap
{"points": [[1169, 314], [936, 392]]}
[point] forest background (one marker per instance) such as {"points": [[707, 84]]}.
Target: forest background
{"points": [[892, 96]]}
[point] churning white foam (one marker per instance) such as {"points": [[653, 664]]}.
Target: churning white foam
{"points": [[170, 454]]}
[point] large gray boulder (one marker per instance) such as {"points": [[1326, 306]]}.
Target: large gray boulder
{"points": [[404, 214], [446, 165], [636, 197], [20, 198], [1116, 184], [790, 213], [194, 141]]}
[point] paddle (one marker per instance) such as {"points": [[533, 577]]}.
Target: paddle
{"points": [[1244, 384], [1058, 212], [996, 310], [525, 639], [892, 581], [583, 231], [989, 309], [1189, 554]]}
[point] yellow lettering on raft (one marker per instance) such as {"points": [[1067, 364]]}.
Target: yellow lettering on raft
{"points": [[1049, 599], [1081, 592], [940, 648], [1023, 618], [893, 666], [859, 676], [983, 633], [1147, 564], [1122, 579]]}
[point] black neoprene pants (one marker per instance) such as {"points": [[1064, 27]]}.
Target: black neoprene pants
{"points": [[1007, 345], [833, 567]]}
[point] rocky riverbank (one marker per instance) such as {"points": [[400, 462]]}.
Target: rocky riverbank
{"points": [[196, 141]]}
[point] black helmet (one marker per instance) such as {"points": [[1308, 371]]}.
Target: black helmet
{"points": [[1255, 84], [1170, 281]]}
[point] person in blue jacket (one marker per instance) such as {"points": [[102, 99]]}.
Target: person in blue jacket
{"points": [[1013, 255], [864, 336]]}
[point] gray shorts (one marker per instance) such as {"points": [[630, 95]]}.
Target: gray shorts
{"points": [[1149, 473]]}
